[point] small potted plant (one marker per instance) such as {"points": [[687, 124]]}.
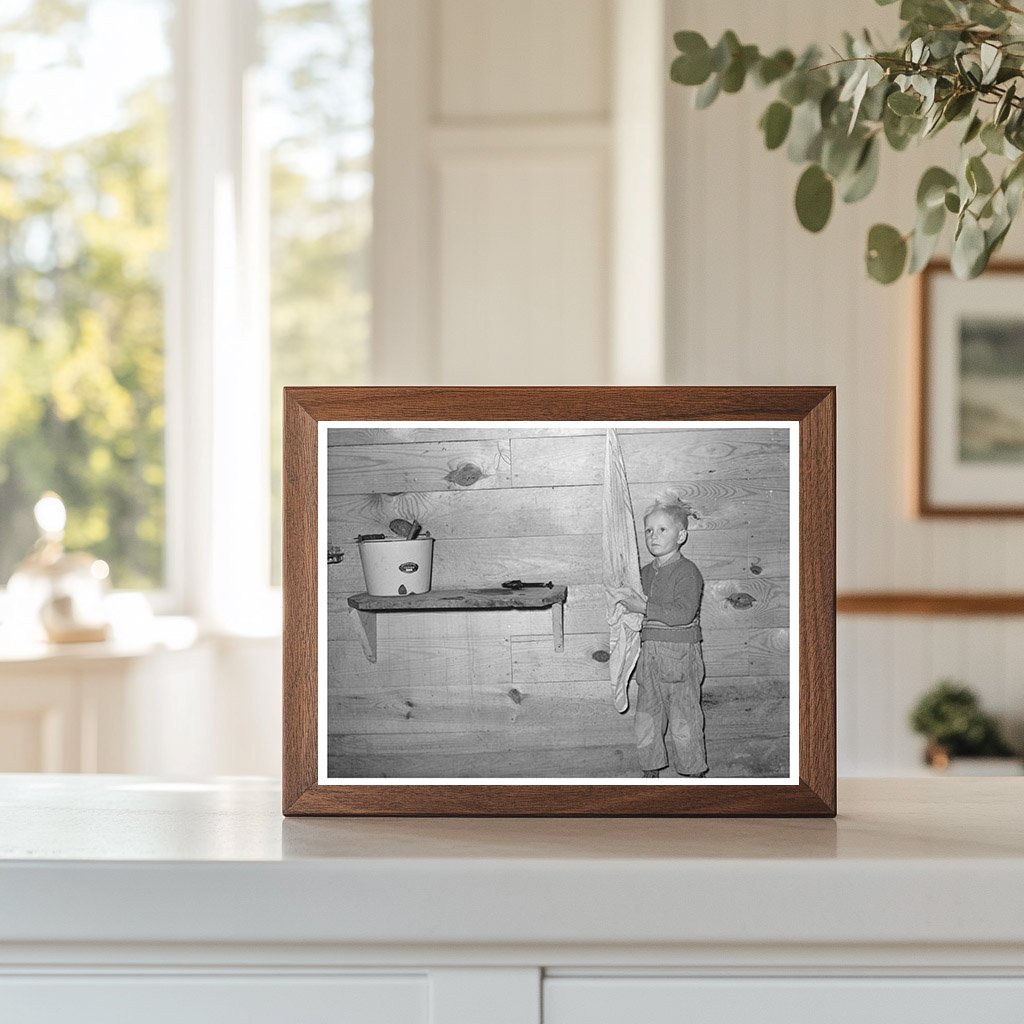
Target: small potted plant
{"points": [[950, 717]]}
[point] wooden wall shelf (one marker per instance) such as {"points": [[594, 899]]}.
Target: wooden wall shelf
{"points": [[928, 603], [364, 608]]}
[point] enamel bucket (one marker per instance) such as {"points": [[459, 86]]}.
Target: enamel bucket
{"points": [[394, 567]]}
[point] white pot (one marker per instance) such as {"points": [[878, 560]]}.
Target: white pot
{"points": [[394, 567]]}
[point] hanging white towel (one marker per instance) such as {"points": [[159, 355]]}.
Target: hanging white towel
{"points": [[621, 569]]}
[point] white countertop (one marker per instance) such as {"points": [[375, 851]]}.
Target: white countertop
{"points": [[120, 859]]}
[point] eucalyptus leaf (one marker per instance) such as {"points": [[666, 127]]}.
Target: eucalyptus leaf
{"points": [[903, 103], [922, 248], [932, 221], [814, 195], [1013, 187], [856, 89], [817, 84], [771, 69], [925, 88], [930, 12], [873, 106], [958, 105], [886, 253], [1005, 105], [970, 71], [978, 176], [931, 190], [1014, 192], [865, 173], [840, 152], [944, 44], [987, 15], [991, 60], [1014, 172], [794, 88], [993, 138], [995, 233], [735, 74], [828, 104], [687, 72], [809, 59], [933, 122], [707, 93], [966, 187], [688, 41], [724, 51], [775, 124], [968, 247], [973, 130], [857, 78], [900, 130], [805, 133], [952, 202]]}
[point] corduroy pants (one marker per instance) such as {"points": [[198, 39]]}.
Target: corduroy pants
{"points": [[669, 678]]}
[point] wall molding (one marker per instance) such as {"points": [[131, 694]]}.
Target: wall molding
{"points": [[928, 603]]}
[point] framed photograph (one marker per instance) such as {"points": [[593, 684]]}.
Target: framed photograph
{"points": [[559, 601], [970, 445]]}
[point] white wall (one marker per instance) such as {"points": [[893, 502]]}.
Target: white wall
{"points": [[507, 150], [754, 299], [494, 199]]}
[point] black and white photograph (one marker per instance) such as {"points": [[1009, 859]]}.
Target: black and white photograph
{"points": [[558, 601]]}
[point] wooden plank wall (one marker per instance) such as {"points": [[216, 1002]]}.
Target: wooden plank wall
{"points": [[484, 694]]}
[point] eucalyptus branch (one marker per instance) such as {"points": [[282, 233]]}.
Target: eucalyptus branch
{"points": [[833, 117]]}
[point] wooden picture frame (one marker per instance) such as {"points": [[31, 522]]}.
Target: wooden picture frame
{"points": [[966, 430], [718, 424]]}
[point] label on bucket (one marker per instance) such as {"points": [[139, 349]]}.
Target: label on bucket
{"points": [[408, 567]]}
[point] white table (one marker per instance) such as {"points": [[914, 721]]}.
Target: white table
{"points": [[197, 902]]}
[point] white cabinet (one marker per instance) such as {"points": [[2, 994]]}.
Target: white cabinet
{"points": [[361, 999], [827, 1000], [133, 898]]}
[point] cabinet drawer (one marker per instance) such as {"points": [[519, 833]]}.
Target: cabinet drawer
{"points": [[569, 1000], [202, 999]]}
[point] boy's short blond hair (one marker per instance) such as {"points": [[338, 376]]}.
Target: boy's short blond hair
{"points": [[673, 506]]}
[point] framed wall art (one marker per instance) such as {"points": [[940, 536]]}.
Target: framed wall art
{"points": [[559, 601], [970, 443]]}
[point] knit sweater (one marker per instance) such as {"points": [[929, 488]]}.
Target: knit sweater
{"points": [[673, 601]]}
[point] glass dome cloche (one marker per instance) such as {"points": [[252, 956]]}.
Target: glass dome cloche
{"points": [[57, 595]]}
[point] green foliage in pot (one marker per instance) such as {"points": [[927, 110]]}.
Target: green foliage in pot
{"points": [[957, 61], [950, 717]]}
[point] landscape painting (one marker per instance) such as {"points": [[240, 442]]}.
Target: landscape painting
{"points": [[991, 390]]}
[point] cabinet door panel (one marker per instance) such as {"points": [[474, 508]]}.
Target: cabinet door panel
{"points": [[783, 1001], [202, 999]]}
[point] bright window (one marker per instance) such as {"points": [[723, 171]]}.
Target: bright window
{"points": [[317, 118], [161, 278], [83, 236]]}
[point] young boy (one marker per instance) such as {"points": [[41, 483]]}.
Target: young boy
{"points": [[670, 671]]}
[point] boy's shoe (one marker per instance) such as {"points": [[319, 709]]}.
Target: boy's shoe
{"points": [[656, 774], [699, 775]]}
